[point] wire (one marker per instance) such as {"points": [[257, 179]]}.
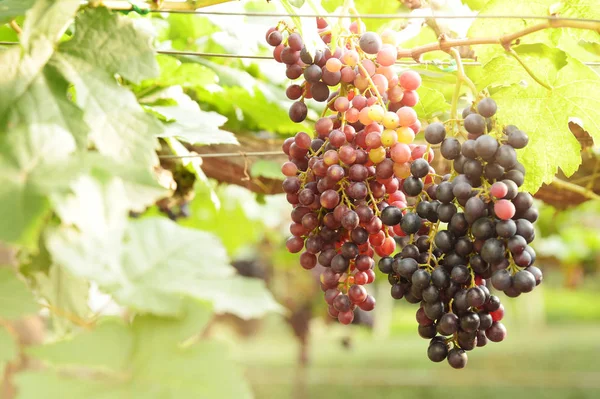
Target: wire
{"points": [[371, 16], [226, 155], [266, 57]]}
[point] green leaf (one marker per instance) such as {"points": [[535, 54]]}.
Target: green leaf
{"points": [[545, 114], [100, 199], [154, 264], [431, 103], [120, 127], [184, 29], [505, 70], [268, 169], [16, 300], [108, 346], [195, 126], [46, 22], [8, 348], [66, 293], [9, 9], [145, 358], [33, 165], [175, 73], [111, 42], [229, 222]]}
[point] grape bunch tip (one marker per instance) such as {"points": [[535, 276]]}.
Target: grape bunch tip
{"points": [[360, 187]]}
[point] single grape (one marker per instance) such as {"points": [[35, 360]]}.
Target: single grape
{"points": [[435, 133], [487, 107], [370, 42], [475, 124]]}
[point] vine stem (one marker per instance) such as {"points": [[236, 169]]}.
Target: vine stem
{"points": [[575, 188], [513, 53], [504, 40]]}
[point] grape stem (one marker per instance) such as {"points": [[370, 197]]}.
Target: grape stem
{"points": [[371, 84], [513, 53], [460, 78], [504, 40]]}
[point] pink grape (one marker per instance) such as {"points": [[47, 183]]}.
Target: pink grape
{"points": [[400, 153], [499, 190], [504, 209], [407, 116], [410, 80], [387, 55], [333, 65], [289, 169], [410, 98]]}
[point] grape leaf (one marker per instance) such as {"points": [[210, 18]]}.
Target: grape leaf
{"points": [[25, 83], [173, 72], [229, 222], [112, 43], [153, 265], [66, 293], [268, 169], [108, 346], [120, 127], [195, 126], [551, 143], [431, 103], [33, 165], [46, 22], [101, 199], [16, 300], [8, 348], [9, 9], [505, 70], [146, 360]]}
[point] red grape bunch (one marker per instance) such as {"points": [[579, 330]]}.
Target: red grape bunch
{"points": [[340, 178], [489, 227], [360, 187]]}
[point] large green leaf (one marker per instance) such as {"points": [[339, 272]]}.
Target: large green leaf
{"points": [[108, 346], [31, 94], [191, 124], [145, 359], [15, 299], [120, 127], [46, 22], [9, 9], [175, 73], [33, 166], [112, 43], [431, 103], [154, 264], [544, 115]]}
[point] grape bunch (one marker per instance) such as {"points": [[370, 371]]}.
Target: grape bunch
{"points": [[340, 179], [487, 236], [360, 187]]}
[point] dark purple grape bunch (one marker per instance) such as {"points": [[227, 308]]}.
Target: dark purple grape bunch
{"points": [[489, 229]]}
